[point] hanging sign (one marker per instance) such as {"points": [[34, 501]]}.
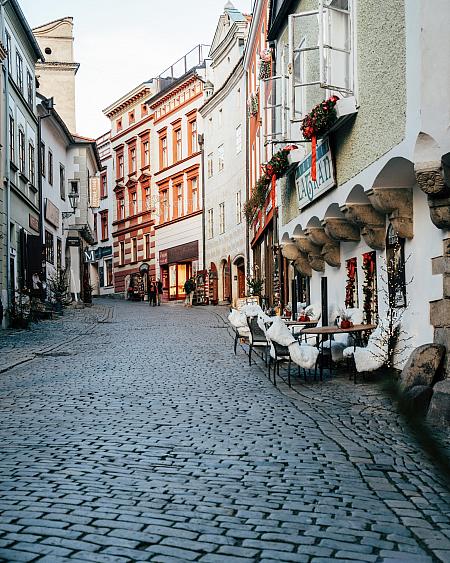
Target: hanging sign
{"points": [[94, 192], [307, 189]]}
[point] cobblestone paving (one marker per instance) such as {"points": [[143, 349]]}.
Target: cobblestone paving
{"points": [[145, 439]]}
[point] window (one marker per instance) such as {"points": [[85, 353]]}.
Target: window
{"points": [[8, 48], [147, 247], [19, 71], [145, 153], [193, 139], [22, 151], [132, 160], [238, 207], [42, 159], [31, 164], [120, 165], [62, 181], [163, 152], [144, 110], [177, 145], [103, 185], [395, 265], [58, 253], [221, 157], [104, 224], [194, 194], [210, 165], [221, 218], [179, 195], [164, 205], [119, 125], [108, 272], [121, 208], [238, 139], [148, 198], [131, 117], [29, 88], [121, 253], [49, 247], [210, 223], [133, 203], [50, 167], [134, 249], [12, 144]]}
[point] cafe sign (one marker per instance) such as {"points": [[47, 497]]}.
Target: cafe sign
{"points": [[307, 190]]}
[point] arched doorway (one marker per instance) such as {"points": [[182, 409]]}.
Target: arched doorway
{"points": [[240, 275], [213, 285], [226, 280]]}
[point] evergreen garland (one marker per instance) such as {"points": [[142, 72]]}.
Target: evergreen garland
{"points": [[320, 119]]}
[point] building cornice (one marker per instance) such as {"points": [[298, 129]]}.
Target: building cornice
{"points": [[178, 219], [141, 91], [253, 33]]}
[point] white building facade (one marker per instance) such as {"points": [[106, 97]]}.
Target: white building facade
{"points": [[224, 120], [381, 190]]}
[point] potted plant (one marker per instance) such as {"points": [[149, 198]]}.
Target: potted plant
{"points": [[345, 317], [58, 285], [87, 290]]}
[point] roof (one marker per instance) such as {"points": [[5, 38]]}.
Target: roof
{"points": [[27, 29], [176, 82], [128, 98]]}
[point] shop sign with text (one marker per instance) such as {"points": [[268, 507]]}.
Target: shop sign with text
{"points": [[307, 190]]}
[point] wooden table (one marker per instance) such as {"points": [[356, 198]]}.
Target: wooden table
{"points": [[325, 331]]}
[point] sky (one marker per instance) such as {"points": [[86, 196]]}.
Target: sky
{"points": [[121, 44]]}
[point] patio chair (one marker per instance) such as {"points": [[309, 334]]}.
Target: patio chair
{"points": [[238, 321], [257, 339], [339, 342]]}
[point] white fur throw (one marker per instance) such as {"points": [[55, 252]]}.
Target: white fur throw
{"points": [[303, 355], [251, 310], [237, 319], [280, 333]]}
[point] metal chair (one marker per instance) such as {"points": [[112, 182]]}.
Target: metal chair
{"points": [[257, 339]]}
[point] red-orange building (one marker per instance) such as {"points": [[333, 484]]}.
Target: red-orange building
{"points": [[133, 224]]}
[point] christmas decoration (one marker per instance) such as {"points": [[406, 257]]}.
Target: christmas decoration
{"points": [[257, 198], [316, 123], [265, 65], [253, 104], [351, 294], [369, 287]]}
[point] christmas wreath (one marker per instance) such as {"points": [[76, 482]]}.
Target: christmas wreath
{"points": [[318, 121]]}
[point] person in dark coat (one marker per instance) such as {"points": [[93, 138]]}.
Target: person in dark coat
{"points": [[159, 291], [152, 294]]}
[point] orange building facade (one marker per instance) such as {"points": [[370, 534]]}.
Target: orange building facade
{"points": [[262, 228], [133, 206]]}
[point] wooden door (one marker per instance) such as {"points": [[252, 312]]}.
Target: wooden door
{"points": [[241, 280]]}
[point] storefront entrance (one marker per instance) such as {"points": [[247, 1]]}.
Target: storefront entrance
{"points": [[177, 264], [240, 268], [178, 275]]}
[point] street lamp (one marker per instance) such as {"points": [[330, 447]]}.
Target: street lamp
{"points": [[73, 199]]}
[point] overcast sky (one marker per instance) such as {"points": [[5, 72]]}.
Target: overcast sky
{"points": [[120, 44]]}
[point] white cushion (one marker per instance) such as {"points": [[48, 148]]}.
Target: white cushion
{"points": [[280, 333], [237, 319], [303, 355]]}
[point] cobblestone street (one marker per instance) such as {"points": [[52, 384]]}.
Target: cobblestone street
{"points": [[135, 434]]}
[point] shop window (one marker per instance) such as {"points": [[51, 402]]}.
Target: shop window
{"points": [[108, 273], [395, 265], [49, 247]]}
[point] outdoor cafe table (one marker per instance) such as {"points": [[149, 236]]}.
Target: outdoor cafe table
{"points": [[323, 332]]}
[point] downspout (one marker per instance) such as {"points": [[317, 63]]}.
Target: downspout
{"points": [[201, 142], [5, 70], [247, 184]]}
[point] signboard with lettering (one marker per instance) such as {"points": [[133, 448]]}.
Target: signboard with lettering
{"points": [[33, 222], [307, 190], [73, 241], [51, 213], [94, 192], [89, 256], [163, 257]]}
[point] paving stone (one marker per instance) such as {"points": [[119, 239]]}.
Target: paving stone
{"points": [[155, 454]]}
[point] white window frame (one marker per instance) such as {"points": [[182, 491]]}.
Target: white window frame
{"points": [[210, 223], [238, 207], [221, 218], [220, 157], [324, 49]]}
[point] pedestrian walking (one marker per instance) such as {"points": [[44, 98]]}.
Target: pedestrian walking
{"points": [[189, 287], [159, 291], [152, 294]]}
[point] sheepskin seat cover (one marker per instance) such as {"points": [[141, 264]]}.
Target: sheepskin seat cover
{"points": [[237, 319], [373, 356], [303, 355], [280, 333]]}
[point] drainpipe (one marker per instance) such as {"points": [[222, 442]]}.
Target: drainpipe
{"points": [[247, 185], [5, 71], [201, 142]]}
